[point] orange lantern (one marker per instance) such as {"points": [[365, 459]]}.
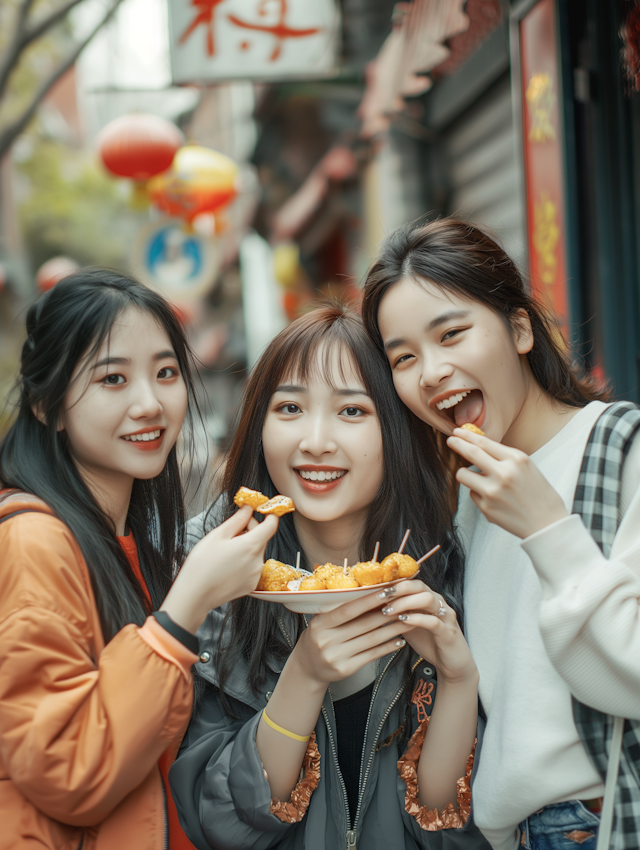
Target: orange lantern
{"points": [[139, 146], [54, 270], [199, 181]]}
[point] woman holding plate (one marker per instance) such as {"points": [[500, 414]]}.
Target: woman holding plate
{"points": [[320, 733]]}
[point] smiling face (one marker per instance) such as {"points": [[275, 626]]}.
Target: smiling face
{"points": [[454, 360], [323, 445], [124, 409]]}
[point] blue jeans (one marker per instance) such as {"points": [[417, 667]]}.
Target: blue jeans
{"points": [[560, 826]]}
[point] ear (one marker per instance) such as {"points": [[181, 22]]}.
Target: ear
{"points": [[38, 412], [522, 332]]}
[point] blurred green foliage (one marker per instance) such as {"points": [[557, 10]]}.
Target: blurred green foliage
{"points": [[72, 208]]}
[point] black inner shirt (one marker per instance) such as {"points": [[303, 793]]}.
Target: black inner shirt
{"points": [[351, 723]]}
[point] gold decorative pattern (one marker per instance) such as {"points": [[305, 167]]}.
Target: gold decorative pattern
{"points": [[546, 236], [541, 98]]}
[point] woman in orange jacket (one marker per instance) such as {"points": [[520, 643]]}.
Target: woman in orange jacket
{"points": [[96, 622]]}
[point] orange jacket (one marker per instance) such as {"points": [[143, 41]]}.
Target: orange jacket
{"points": [[82, 725]]}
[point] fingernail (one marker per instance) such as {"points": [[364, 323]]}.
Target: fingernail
{"points": [[388, 591], [401, 643], [403, 617], [387, 610]]}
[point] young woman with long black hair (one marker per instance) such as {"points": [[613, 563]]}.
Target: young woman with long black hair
{"points": [[96, 643], [550, 518], [320, 422]]}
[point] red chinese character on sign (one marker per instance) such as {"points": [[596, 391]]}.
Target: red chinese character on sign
{"points": [[205, 17], [280, 29]]}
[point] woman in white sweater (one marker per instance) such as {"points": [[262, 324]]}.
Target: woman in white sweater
{"points": [[549, 618]]}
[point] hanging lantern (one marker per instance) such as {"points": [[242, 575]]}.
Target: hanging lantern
{"points": [[54, 270], [199, 181], [139, 146]]}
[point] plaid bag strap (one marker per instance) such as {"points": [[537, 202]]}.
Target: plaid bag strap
{"points": [[597, 500]]}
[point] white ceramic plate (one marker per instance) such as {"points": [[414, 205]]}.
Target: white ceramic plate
{"points": [[318, 601]]}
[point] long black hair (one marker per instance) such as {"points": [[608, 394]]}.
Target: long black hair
{"points": [[414, 493], [65, 327], [456, 256]]}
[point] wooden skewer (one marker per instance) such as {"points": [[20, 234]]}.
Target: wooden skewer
{"points": [[404, 541], [375, 551], [344, 566], [298, 561], [429, 554]]}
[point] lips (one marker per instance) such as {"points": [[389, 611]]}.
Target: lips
{"points": [[312, 474], [457, 407], [139, 441]]}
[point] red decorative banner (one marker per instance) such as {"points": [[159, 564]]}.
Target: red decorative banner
{"points": [[542, 134]]}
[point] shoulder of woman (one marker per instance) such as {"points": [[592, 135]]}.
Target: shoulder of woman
{"points": [[42, 564]]}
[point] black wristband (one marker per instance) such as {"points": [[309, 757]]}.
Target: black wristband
{"points": [[186, 638]]}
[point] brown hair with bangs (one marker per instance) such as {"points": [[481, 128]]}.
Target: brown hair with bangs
{"points": [[414, 493], [455, 256]]}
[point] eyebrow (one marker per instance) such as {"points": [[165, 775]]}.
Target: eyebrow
{"points": [[126, 361], [442, 319], [294, 388]]}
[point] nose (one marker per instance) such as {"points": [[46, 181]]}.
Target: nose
{"points": [[146, 404], [317, 439], [435, 370]]}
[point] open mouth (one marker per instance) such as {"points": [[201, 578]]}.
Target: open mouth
{"points": [[461, 406], [148, 440], [319, 479]]}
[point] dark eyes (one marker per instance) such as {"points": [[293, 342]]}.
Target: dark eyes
{"points": [[113, 380], [167, 372], [352, 412], [450, 334], [290, 408]]}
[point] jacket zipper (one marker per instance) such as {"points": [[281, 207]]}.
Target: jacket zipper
{"points": [[165, 818], [351, 835], [334, 752]]}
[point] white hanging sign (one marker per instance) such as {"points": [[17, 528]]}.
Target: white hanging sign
{"points": [[252, 39]]}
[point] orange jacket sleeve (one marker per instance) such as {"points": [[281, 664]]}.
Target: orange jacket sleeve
{"points": [[81, 725]]}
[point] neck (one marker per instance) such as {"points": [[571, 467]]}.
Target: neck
{"points": [[331, 541], [113, 495], [539, 418]]}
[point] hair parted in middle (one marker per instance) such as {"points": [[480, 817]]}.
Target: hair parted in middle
{"points": [[415, 492]]}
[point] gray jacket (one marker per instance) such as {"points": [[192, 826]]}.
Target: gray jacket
{"points": [[224, 799]]}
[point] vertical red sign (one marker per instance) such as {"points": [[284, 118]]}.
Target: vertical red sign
{"points": [[542, 134]]}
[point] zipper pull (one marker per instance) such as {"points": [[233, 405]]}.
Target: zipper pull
{"points": [[351, 839]]}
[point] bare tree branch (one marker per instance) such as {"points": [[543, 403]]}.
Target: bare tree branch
{"points": [[14, 47], [9, 134], [46, 23]]}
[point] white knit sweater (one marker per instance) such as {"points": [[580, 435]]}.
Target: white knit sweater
{"points": [[547, 617]]}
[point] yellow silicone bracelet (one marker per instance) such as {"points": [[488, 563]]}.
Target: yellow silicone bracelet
{"points": [[269, 722]]}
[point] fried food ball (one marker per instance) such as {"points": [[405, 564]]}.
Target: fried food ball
{"points": [[276, 575], [279, 506], [253, 498], [313, 583], [468, 426], [404, 566], [371, 572], [341, 580], [326, 571]]}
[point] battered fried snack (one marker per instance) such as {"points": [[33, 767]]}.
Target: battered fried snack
{"points": [[313, 583], [253, 498], [276, 575], [468, 426], [371, 572], [326, 571], [404, 566], [279, 506], [342, 581]]}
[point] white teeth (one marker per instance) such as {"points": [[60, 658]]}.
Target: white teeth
{"points": [[321, 476], [452, 400], [150, 435]]}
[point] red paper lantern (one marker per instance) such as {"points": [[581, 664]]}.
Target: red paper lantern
{"points": [[139, 146], [199, 181], [54, 270]]}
